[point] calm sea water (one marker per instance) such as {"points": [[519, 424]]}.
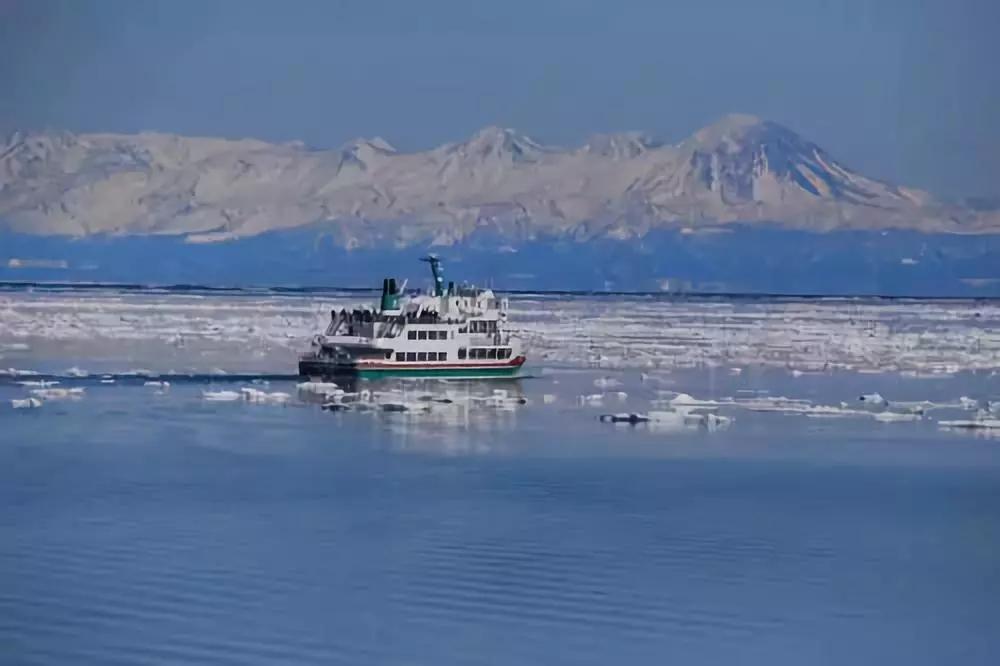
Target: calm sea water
{"points": [[144, 528]]}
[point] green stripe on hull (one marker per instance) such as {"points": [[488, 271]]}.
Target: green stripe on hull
{"points": [[454, 373]]}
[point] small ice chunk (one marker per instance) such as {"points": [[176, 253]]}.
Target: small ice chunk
{"points": [[873, 399], [548, 398], [156, 384], [58, 393], [684, 402], [40, 383], [595, 399], [978, 424], [736, 371], [895, 417], [501, 401], [716, 422], [918, 407], [968, 403], [632, 418], [606, 383], [76, 372], [14, 372], [220, 396], [27, 403], [256, 395], [397, 407], [323, 388], [828, 411]]}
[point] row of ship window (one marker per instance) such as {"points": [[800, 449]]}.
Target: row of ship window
{"points": [[483, 326], [485, 352], [486, 326], [421, 356], [478, 353], [427, 335]]}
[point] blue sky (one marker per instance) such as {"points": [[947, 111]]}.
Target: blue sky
{"points": [[907, 90]]}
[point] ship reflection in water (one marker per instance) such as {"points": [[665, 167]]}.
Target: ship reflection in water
{"points": [[425, 414]]}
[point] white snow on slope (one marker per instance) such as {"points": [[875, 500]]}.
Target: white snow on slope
{"points": [[620, 186]]}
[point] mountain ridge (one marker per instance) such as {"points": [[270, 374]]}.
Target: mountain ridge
{"points": [[740, 169]]}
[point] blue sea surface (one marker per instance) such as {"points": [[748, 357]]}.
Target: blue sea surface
{"points": [[145, 527]]}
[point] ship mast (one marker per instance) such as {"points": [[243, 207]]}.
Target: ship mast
{"points": [[437, 272]]}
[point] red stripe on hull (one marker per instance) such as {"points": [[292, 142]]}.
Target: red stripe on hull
{"points": [[513, 363]]}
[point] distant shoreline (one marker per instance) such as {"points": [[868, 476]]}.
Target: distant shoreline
{"points": [[306, 290]]}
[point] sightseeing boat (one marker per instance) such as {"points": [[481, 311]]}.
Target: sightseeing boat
{"points": [[455, 331]]}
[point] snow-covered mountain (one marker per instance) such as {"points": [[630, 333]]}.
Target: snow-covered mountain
{"points": [[740, 169]]}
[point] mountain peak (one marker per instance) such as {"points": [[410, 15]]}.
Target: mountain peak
{"points": [[381, 144], [735, 128], [503, 142], [376, 143]]}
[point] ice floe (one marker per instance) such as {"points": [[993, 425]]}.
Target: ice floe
{"points": [[14, 372], [828, 411], [968, 403], [263, 397], [773, 404], [895, 417], [918, 338], [74, 393], [875, 399], [671, 420], [631, 418], [320, 388], [26, 403], [247, 394], [971, 424], [221, 396]]}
